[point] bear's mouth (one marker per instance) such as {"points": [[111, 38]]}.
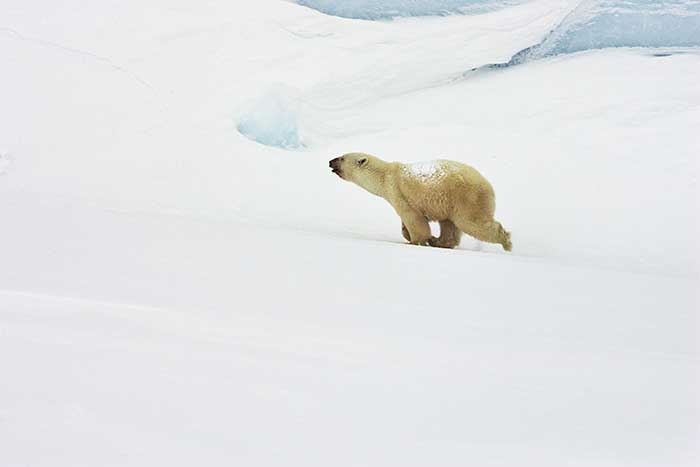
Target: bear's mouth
{"points": [[335, 167]]}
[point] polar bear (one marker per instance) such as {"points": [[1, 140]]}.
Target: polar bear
{"points": [[452, 193]]}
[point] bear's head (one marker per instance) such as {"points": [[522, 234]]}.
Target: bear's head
{"points": [[362, 169], [349, 165]]}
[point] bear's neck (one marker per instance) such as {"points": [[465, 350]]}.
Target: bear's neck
{"points": [[376, 183]]}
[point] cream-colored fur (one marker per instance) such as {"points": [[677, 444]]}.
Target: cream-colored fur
{"points": [[454, 194]]}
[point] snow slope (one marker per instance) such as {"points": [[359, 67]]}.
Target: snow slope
{"points": [[173, 292]]}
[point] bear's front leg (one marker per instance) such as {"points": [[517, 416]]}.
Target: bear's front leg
{"points": [[404, 232], [417, 228]]}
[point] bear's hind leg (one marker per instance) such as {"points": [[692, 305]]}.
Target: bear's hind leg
{"points": [[450, 235], [488, 231]]}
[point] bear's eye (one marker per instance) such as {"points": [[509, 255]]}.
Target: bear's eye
{"points": [[362, 161]]}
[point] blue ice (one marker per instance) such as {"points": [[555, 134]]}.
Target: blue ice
{"points": [[597, 24], [273, 120], [388, 9]]}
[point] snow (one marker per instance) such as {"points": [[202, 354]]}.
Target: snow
{"points": [[426, 169], [597, 24], [388, 9], [173, 292], [359, 63], [188, 340]]}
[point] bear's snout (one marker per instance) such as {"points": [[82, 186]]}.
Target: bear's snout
{"points": [[335, 165]]}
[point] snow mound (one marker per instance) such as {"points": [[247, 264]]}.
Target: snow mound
{"points": [[273, 119], [388, 9], [597, 24]]}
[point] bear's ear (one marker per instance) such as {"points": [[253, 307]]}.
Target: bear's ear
{"points": [[362, 161]]}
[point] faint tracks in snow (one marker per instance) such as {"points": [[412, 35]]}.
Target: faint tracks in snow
{"points": [[91, 55], [301, 34]]}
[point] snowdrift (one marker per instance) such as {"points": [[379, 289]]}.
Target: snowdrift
{"points": [[452, 46]]}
